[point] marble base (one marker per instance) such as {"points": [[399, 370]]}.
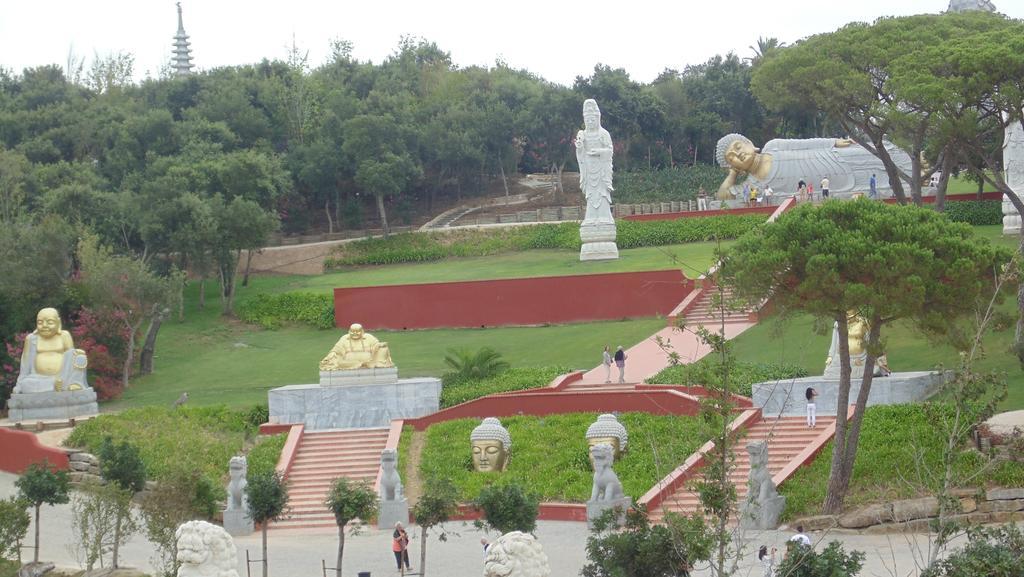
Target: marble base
{"points": [[1011, 220], [52, 405], [238, 523], [597, 232], [354, 406], [762, 516], [599, 251], [597, 508], [359, 377], [787, 398], [392, 512]]}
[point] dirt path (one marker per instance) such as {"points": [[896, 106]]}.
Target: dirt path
{"points": [[413, 483]]}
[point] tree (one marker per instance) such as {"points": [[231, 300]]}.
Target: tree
{"points": [[439, 502], [40, 485], [103, 520], [174, 500], [268, 499], [14, 522], [122, 466], [833, 561], [640, 549], [507, 508], [13, 166], [884, 263], [241, 225], [350, 500]]}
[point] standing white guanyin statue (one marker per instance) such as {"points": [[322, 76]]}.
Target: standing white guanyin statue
{"points": [[1013, 163], [594, 155]]}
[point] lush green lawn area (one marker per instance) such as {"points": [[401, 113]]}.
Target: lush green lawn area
{"points": [[549, 454]]}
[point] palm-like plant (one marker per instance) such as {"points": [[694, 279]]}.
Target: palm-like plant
{"points": [[465, 364], [764, 46]]}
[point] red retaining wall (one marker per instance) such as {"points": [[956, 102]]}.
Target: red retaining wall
{"points": [[523, 301], [19, 449], [701, 213]]}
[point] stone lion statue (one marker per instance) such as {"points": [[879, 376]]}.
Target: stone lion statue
{"points": [[390, 482], [607, 486], [205, 550], [237, 467], [516, 554]]}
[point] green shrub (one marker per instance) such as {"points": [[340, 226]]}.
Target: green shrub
{"points": [[465, 364], [975, 212], [549, 454], [832, 561], [891, 437], [743, 375], [9, 568], [456, 390], [667, 184], [257, 415], [270, 311], [991, 551], [264, 455], [508, 508]]}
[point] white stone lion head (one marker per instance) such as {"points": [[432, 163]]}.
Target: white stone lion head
{"points": [[205, 550], [516, 554]]}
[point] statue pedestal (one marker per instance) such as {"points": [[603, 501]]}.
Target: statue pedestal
{"points": [[238, 523], [359, 377], [598, 241], [762, 516], [392, 512], [52, 405], [597, 508], [1011, 220]]}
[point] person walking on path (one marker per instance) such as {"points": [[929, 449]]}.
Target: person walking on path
{"points": [[767, 560], [811, 394], [620, 361], [824, 188], [873, 183], [801, 537], [400, 547], [607, 362]]}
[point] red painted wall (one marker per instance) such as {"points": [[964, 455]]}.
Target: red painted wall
{"points": [[19, 449], [523, 301], [701, 213]]}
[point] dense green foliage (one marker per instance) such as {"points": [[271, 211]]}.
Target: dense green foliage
{"points": [[467, 365], [832, 561], [270, 311], [640, 549], [40, 485], [459, 390], [264, 455], [549, 454], [267, 493], [509, 507], [892, 436], [14, 522], [741, 375], [992, 551], [423, 247], [975, 212], [349, 500], [680, 183], [121, 464]]}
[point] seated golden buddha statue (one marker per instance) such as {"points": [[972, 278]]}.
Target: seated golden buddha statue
{"points": [[357, 350], [50, 361]]}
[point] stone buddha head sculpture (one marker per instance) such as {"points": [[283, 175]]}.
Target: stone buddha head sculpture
{"points": [[491, 446], [608, 430], [736, 151]]}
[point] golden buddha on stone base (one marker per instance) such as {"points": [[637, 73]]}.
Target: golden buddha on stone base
{"points": [[357, 350], [50, 361]]}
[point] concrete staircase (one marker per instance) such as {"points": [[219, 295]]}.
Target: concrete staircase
{"points": [[706, 312], [322, 457], [787, 437]]}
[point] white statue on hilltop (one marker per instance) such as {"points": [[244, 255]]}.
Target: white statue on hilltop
{"points": [[205, 550], [594, 155], [971, 5], [516, 554], [1013, 164]]}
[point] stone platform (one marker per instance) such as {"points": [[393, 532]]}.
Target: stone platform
{"points": [[786, 397], [345, 404], [598, 242], [52, 405]]}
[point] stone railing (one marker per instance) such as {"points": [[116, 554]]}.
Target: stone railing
{"points": [[549, 214]]}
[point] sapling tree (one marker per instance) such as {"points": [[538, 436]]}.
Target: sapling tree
{"points": [[440, 500], [14, 522], [42, 485], [122, 466], [268, 500], [350, 500], [507, 508]]}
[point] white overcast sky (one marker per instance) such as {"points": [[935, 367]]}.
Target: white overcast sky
{"points": [[555, 39]]}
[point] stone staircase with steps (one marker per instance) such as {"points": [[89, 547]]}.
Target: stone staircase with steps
{"points": [[787, 437], [322, 457], [706, 312]]}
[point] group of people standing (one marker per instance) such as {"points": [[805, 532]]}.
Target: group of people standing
{"points": [[619, 358]]}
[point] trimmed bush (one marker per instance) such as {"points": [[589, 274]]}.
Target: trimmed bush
{"points": [[263, 457], [975, 212], [432, 246], [270, 311], [743, 375], [667, 184], [549, 454], [458, 390]]}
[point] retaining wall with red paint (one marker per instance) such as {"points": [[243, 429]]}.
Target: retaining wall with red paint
{"points": [[19, 449], [521, 301]]}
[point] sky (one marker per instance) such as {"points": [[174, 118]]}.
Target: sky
{"points": [[555, 39]]}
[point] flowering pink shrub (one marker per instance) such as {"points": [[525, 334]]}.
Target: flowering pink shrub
{"points": [[104, 338]]}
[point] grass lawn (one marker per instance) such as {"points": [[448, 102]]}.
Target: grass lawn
{"points": [[219, 360]]}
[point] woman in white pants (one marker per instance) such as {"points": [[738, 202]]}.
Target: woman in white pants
{"points": [[811, 394], [607, 362]]}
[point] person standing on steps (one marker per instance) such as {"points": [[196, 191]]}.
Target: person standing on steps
{"points": [[811, 394], [400, 547], [620, 361], [607, 362]]}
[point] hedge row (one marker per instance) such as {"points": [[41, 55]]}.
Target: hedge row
{"points": [[515, 379], [270, 311], [975, 212], [432, 246], [742, 375], [665, 185]]}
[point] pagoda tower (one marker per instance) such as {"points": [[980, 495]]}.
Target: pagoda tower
{"points": [[181, 62]]}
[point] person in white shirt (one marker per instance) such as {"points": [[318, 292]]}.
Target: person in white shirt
{"points": [[800, 537], [824, 188]]}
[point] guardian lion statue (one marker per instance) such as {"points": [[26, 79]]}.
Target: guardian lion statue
{"points": [[607, 486], [516, 554], [237, 467], [390, 482], [205, 550]]}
